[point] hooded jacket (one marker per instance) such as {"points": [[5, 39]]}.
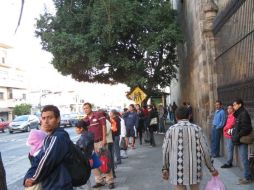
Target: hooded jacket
{"points": [[49, 165]]}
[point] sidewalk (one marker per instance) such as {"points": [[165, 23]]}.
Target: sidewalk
{"points": [[142, 171]]}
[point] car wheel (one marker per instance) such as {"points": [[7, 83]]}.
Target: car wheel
{"points": [[10, 131], [28, 129]]}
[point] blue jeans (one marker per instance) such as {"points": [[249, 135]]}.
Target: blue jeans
{"points": [[230, 151], [243, 149], [216, 134]]}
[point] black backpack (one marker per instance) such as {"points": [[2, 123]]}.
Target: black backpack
{"points": [[78, 166]]}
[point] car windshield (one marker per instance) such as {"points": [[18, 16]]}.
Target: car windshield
{"points": [[21, 118], [65, 116]]}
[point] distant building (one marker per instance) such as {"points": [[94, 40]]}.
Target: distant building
{"points": [[12, 84]]}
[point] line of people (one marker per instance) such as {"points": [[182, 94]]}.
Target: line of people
{"points": [[234, 125], [113, 132]]}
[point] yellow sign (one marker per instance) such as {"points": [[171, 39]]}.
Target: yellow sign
{"points": [[137, 95]]}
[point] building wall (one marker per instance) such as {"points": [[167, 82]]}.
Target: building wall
{"points": [[216, 58]]}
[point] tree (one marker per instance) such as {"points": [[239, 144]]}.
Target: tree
{"points": [[111, 41], [22, 109]]}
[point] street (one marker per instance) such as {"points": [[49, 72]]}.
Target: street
{"points": [[15, 156], [140, 171]]}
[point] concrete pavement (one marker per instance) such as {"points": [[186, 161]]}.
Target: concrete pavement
{"points": [[142, 171]]}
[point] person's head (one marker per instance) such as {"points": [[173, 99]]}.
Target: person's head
{"points": [[113, 113], [237, 103], [230, 109], [218, 104], [137, 106], [50, 118], [149, 107], [87, 108], [184, 104], [125, 110], [81, 126], [131, 107], [35, 140], [182, 113]]}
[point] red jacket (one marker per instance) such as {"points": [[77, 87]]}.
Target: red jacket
{"points": [[229, 125]]}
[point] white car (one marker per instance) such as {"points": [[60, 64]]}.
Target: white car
{"points": [[24, 123]]}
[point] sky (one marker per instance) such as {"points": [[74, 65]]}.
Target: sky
{"points": [[27, 54]]}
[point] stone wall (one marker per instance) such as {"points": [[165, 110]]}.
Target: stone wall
{"points": [[216, 57]]}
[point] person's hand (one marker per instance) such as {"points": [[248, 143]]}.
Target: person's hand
{"points": [[165, 174], [104, 142], [29, 182], [215, 173]]}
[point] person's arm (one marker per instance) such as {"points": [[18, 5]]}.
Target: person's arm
{"points": [[102, 121], [223, 119], [165, 151], [53, 156], [205, 151]]}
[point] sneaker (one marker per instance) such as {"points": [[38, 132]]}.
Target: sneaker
{"points": [[98, 185], [111, 186], [226, 166], [243, 181]]}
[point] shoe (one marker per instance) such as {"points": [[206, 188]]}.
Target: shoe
{"points": [[226, 166], [98, 185], [118, 162], [243, 181], [111, 186]]}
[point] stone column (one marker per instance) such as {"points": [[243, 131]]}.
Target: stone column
{"points": [[210, 12]]}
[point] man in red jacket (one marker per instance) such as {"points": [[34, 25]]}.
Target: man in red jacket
{"points": [[228, 135]]}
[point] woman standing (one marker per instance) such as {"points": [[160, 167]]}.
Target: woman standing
{"points": [[228, 135], [152, 123]]}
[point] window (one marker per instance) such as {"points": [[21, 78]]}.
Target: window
{"points": [[1, 95], [3, 60], [24, 96]]}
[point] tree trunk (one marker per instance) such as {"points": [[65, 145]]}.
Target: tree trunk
{"points": [[3, 185]]}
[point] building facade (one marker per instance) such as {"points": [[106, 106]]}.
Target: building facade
{"points": [[216, 56], [13, 89]]}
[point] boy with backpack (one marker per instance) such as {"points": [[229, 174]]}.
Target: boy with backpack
{"points": [[85, 143]]}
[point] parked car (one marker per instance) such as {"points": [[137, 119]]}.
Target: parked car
{"points": [[65, 121], [3, 124], [24, 123]]}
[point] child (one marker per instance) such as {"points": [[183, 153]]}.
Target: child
{"points": [[35, 141], [85, 143]]}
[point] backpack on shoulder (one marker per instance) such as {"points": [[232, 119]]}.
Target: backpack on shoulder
{"points": [[78, 166]]}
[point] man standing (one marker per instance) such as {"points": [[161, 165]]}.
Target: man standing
{"points": [[97, 125], [184, 148], [131, 121], [219, 121], [49, 165], [242, 127]]}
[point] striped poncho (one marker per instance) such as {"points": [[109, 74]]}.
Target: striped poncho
{"points": [[184, 148]]}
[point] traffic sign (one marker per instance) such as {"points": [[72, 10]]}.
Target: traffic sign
{"points": [[137, 95]]}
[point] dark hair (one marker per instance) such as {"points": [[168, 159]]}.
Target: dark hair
{"points": [[218, 101], [230, 105], [52, 108], [87, 104], [182, 113], [82, 124], [239, 101], [125, 109], [132, 105], [115, 112]]}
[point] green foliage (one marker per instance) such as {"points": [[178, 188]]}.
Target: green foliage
{"points": [[111, 41], [22, 109]]}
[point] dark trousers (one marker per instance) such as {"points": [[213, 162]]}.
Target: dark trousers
{"points": [[111, 150], [117, 148], [152, 141], [216, 135]]}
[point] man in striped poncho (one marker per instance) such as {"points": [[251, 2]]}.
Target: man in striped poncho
{"points": [[184, 148]]}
